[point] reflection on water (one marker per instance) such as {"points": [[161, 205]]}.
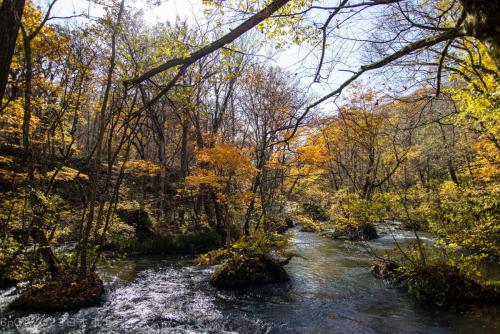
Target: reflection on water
{"points": [[331, 291]]}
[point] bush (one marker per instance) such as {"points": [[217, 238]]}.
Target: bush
{"points": [[467, 219], [16, 264], [307, 224]]}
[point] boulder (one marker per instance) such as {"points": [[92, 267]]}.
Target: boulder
{"points": [[355, 231], [241, 272], [438, 284], [139, 218], [289, 222]]}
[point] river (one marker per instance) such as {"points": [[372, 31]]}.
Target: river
{"points": [[331, 291]]}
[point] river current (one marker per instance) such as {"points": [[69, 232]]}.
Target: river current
{"points": [[331, 291]]}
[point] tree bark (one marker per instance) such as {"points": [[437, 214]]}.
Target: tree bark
{"points": [[11, 12], [483, 22]]}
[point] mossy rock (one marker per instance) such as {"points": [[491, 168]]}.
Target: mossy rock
{"points": [[355, 231], [7, 282], [139, 218], [315, 210], [242, 272], [63, 293], [308, 224], [289, 222], [437, 284], [445, 285]]}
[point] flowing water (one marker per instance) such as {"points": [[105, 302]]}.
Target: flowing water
{"points": [[331, 291]]}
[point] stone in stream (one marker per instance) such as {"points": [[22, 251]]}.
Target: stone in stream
{"points": [[354, 231], [241, 272], [436, 283]]}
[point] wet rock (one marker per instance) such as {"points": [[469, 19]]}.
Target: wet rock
{"points": [[289, 222], [7, 282], [62, 293], [355, 231], [241, 272]]}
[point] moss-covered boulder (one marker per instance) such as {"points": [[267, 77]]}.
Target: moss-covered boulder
{"points": [[64, 292], [241, 272], [437, 284], [445, 285], [140, 218], [289, 222], [355, 231], [315, 210], [6, 282]]}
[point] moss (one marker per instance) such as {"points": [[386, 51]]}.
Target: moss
{"points": [[355, 231], [241, 272], [63, 293], [187, 243]]}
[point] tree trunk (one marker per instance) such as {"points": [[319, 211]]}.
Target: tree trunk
{"points": [[11, 12], [27, 105], [482, 21], [98, 152]]}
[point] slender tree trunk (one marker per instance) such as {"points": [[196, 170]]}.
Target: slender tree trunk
{"points": [[28, 63], [98, 157]]}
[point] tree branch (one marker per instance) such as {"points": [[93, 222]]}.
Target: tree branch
{"points": [[206, 50]]}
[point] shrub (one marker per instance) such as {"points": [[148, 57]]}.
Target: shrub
{"points": [[308, 224], [138, 217]]}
